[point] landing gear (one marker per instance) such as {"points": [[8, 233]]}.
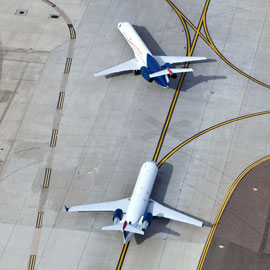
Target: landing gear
{"points": [[137, 72]]}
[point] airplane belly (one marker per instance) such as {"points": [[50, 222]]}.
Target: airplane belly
{"points": [[142, 191]]}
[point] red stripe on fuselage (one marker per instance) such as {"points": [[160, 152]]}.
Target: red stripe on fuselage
{"points": [[135, 46]]}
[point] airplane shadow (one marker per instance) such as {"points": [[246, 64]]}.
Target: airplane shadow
{"points": [[159, 225], [191, 80]]}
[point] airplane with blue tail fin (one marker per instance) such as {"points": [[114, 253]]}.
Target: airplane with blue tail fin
{"points": [[156, 68]]}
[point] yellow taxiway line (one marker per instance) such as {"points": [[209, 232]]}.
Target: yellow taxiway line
{"points": [[207, 130], [208, 40], [223, 206], [32, 262], [122, 256], [39, 220], [190, 50]]}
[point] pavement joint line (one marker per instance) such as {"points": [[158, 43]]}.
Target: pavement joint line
{"points": [[60, 101], [32, 262], [166, 157], [39, 220], [54, 137], [47, 177], [223, 206]]}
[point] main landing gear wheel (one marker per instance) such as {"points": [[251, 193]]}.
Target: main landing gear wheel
{"points": [[137, 72]]}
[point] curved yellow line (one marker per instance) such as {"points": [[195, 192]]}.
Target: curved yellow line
{"points": [[223, 206], [214, 48], [165, 127], [207, 130]]}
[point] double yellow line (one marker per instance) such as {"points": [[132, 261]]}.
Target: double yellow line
{"points": [[68, 65], [223, 206], [32, 262], [47, 177], [72, 31], [190, 50], [60, 100], [54, 138], [39, 220]]}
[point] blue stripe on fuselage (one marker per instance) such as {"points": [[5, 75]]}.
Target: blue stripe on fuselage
{"points": [[153, 66]]}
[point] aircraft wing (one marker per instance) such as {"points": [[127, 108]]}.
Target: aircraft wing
{"points": [[176, 59], [100, 207], [170, 71], [129, 65], [159, 210]]}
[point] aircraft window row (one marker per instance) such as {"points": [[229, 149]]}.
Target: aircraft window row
{"points": [[138, 53]]}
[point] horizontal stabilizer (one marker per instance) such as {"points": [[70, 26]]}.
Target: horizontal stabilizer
{"points": [[170, 71], [159, 210], [100, 207], [119, 227], [162, 59], [126, 66]]}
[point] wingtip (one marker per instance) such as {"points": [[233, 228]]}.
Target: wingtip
{"points": [[67, 208]]}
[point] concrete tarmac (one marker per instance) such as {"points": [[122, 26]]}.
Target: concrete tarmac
{"points": [[67, 137]]}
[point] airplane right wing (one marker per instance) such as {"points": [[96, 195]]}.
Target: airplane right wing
{"points": [[162, 59], [159, 210], [126, 66], [100, 207]]}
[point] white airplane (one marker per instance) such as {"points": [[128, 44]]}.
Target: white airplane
{"points": [[133, 215], [151, 67]]}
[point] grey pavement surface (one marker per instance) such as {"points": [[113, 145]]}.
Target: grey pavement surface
{"points": [[241, 240], [109, 126]]}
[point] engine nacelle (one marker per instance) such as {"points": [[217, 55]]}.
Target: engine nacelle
{"points": [[168, 65], [117, 216], [146, 220], [145, 73]]}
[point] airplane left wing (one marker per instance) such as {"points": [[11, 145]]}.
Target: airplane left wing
{"points": [[126, 66], [159, 210], [100, 207], [162, 59]]}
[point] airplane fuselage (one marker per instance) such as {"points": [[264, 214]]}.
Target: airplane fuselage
{"points": [[142, 54], [141, 194]]}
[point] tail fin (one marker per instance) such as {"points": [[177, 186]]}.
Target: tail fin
{"points": [[122, 228]]}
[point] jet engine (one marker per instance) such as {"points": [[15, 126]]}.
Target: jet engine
{"points": [[168, 65], [145, 73], [117, 215], [146, 220]]}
